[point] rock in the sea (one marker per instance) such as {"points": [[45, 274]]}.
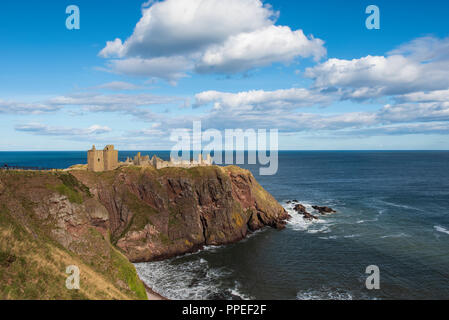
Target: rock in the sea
{"points": [[302, 210], [324, 210]]}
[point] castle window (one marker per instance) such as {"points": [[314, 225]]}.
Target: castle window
{"points": [[98, 159]]}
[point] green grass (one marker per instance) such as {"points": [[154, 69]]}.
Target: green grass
{"points": [[128, 274]]}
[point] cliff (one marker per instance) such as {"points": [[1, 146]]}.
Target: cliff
{"points": [[157, 214], [49, 220]]}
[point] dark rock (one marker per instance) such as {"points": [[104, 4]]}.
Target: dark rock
{"points": [[302, 210], [324, 210]]}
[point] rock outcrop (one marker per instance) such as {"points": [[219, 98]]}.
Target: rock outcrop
{"points": [[324, 210], [302, 210], [157, 214], [101, 220]]}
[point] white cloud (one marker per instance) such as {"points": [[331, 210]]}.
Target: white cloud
{"points": [[111, 102], [168, 68], [119, 86], [260, 100], [433, 96], [409, 112], [216, 36], [260, 48], [113, 49], [421, 65], [41, 129], [15, 107], [175, 27]]}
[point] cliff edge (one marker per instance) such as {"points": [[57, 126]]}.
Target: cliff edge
{"points": [[157, 214], [99, 221]]}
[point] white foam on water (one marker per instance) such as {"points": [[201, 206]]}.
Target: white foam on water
{"points": [[299, 223], [328, 238], [441, 229], [363, 221], [193, 280], [323, 295], [399, 235], [352, 236], [236, 292], [397, 205]]}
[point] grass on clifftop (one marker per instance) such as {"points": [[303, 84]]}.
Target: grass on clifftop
{"points": [[33, 264], [71, 188], [32, 268]]}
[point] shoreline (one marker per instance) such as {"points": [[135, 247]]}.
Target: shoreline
{"points": [[153, 295]]}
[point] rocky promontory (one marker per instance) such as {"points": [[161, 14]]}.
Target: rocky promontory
{"points": [[157, 214], [100, 221]]}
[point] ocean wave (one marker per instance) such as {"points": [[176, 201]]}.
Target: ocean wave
{"points": [[328, 238], [441, 229], [298, 223], [192, 280], [399, 235], [403, 206], [323, 295], [371, 220]]}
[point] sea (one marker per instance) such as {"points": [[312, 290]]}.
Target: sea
{"points": [[392, 213]]}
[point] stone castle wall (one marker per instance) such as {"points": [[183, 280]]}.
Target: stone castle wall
{"points": [[157, 163], [107, 159], [102, 160]]}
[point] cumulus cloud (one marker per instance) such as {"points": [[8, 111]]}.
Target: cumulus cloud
{"points": [[432, 96], [175, 27], [415, 112], [41, 129], [421, 65], [211, 35], [260, 100], [259, 48], [168, 68]]}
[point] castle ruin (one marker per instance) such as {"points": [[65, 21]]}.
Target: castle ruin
{"points": [[107, 159], [102, 160]]}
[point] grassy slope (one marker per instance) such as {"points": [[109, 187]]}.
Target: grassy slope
{"points": [[32, 264]]}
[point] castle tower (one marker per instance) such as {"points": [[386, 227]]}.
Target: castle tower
{"points": [[110, 157], [95, 160], [102, 160]]}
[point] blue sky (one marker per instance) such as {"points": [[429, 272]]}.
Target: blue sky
{"points": [[308, 68]]}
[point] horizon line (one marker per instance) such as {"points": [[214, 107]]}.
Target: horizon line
{"points": [[281, 150]]}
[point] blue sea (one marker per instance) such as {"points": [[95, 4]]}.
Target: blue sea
{"points": [[393, 212]]}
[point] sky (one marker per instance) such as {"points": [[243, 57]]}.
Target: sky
{"points": [[135, 71]]}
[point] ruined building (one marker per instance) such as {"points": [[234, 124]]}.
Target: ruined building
{"points": [[107, 159], [157, 163], [102, 160]]}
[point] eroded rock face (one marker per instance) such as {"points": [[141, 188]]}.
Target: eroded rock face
{"points": [[156, 214]]}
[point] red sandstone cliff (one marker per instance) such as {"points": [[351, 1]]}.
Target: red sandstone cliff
{"points": [[156, 214]]}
